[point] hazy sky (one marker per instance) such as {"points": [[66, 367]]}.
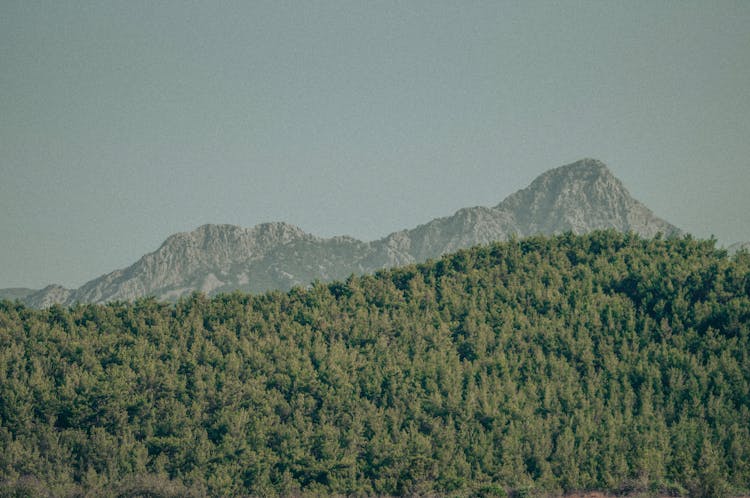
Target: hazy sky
{"points": [[124, 122]]}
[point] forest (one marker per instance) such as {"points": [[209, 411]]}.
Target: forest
{"points": [[532, 367]]}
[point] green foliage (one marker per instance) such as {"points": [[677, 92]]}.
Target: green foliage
{"points": [[543, 365]]}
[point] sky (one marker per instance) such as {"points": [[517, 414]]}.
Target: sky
{"points": [[122, 123]]}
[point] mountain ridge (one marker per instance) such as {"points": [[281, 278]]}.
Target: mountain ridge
{"points": [[577, 197]]}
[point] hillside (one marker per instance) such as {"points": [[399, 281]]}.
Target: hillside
{"points": [[15, 293], [738, 246], [545, 365], [578, 198]]}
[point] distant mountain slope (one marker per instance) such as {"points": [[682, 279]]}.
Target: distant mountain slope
{"points": [[48, 296], [15, 293], [739, 246], [578, 197]]}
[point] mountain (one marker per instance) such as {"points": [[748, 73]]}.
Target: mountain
{"points": [[48, 296], [15, 293], [579, 197], [739, 246]]}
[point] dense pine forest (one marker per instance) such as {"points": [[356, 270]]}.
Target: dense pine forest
{"points": [[532, 367]]}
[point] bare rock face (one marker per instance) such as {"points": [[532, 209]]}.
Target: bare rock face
{"points": [[466, 228], [52, 294], [579, 198], [209, 259]]}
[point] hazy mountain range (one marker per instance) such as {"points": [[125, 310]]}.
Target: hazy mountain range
{"points": [[578, 197]]}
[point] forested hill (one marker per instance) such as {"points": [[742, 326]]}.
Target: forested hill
{"points": [[544, 365]]}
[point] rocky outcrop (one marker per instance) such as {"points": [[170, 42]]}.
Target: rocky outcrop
{"points": [[579, 197], [52, 294]]}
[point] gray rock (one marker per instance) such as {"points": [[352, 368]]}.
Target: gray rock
{"points": [[13, 293], [579, 197], [52, 294]]}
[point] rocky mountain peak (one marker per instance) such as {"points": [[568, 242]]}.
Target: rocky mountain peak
{"points": [[585, 165], [48, 296], [580, 197], [581, 179], [213, 258], [279, 232], [224, 232], [231, 240]]}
